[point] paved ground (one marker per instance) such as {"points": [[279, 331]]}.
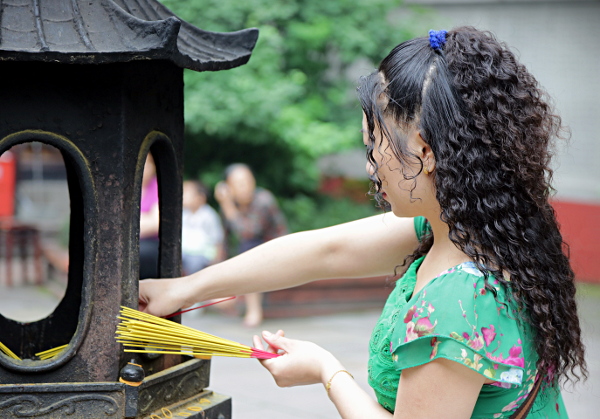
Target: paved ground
{"points": [[254, 393]]}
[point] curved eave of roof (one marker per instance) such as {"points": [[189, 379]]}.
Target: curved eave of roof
{"points": [[107, 31]]}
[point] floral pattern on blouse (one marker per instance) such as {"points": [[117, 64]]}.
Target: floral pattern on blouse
{"points": [[480, 347], [455, 316]]}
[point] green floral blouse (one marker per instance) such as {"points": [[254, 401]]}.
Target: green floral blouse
{"points": [[456, 318]]}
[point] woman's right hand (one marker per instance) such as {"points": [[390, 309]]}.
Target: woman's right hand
{"points": [[161, 297], [300, 363]]}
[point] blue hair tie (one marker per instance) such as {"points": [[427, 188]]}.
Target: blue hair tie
{"points": [[437, 39]]}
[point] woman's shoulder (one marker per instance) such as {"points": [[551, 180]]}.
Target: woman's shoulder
{"points": [[263, 198], [463, 296], [463, 315], [466, 281]]}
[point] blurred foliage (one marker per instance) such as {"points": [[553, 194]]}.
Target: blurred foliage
{"points": [[308, 213], [295, 99]]}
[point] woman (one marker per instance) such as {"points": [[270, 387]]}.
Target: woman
{"points": [[457, 135]]}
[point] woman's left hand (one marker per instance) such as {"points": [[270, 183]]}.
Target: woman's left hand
{"points": [[300, 363]]}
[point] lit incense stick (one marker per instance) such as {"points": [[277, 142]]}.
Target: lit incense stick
{"points": [[196, 308]]}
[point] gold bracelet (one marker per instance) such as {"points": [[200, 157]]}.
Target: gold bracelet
{"points": [[328, 385]]}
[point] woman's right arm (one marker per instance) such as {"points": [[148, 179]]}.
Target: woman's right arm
{"points": [[368, 247]]}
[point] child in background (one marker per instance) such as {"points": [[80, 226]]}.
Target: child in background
{"points": [[202, 232]]}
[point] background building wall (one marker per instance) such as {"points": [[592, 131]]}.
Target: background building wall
{"points": [[557, 41]]}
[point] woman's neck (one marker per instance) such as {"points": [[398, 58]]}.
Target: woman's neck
{"points": [[443, 253]]}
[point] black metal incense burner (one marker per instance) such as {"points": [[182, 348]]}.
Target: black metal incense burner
{"points": [[102, 81]]}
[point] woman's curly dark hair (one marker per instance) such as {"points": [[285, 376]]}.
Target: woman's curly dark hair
{"points": [[490, 127]]}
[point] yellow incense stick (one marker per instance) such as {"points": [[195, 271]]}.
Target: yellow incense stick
{"points": [[144, 333], [8, 352], [51, 352]]}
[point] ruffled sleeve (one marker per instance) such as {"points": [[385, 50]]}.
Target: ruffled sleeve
{"points": [[457, 318]]}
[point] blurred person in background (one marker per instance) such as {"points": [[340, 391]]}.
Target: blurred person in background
{"points": [[149, 221], [252, 217], [201, 229]]}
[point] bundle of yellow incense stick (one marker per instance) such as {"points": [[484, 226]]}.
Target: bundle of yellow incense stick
{"points": [[144, 333], [50, 353]]}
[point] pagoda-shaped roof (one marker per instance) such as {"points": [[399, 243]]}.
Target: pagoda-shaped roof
{"points": [[107, 31]]}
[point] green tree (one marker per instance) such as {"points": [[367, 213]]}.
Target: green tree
{"points": [[294, 100]]}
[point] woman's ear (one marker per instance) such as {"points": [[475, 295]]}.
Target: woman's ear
{"points": [[425, 153]]}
